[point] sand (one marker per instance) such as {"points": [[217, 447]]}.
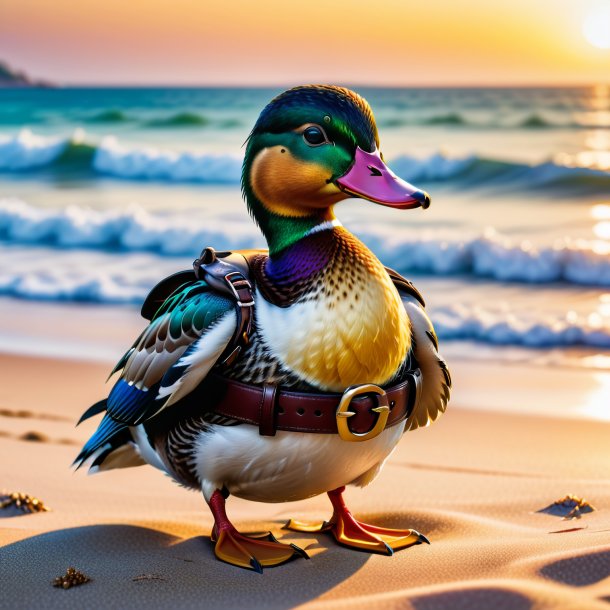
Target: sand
{"points": [[471, 482]]}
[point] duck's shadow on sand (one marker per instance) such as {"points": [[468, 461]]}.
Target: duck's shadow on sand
{"points": [[169, 572]]}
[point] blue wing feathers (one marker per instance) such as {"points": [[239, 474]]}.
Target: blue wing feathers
{"points": [[131, 405]]}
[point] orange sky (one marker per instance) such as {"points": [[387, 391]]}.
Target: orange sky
{"points": [[248, 42]]}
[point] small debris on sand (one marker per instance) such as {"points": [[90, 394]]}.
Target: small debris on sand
{"points": [[143, 577], [27, 503], [570, 530], [72, 578], [569, 507], [10, 413], [30, 415], [67, 441], [36, 437]]}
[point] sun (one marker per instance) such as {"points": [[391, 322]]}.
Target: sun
{"points": [[596, 27]]}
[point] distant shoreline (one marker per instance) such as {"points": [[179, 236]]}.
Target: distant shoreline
{"points": [[20, 85], [16, 79]]}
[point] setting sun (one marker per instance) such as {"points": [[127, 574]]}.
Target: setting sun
{"points": [[407, 43], [596, 27]]}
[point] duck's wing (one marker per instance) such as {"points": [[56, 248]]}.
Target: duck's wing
{"points": [[169, 359], [174, 353], [436, 379]]}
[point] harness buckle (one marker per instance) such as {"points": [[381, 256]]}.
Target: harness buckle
{"points": [[239, 284], [343, 413]]}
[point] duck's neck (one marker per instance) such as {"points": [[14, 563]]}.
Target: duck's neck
{"points": [[305, 258], [281, 232]]}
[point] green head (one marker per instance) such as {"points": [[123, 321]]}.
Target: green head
{"points": [[304, 155]]}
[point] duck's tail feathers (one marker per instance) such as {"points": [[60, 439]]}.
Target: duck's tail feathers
{"points": [[109, 434], [98, 407]]}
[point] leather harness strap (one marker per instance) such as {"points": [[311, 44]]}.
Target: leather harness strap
{"points": [[272, 408], [244, 300], [228, 278], [266, 423]]}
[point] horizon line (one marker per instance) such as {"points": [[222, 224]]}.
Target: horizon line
{"points": [[515, 85]]}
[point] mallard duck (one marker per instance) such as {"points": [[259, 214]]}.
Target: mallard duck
{"points": [[277, 376]]}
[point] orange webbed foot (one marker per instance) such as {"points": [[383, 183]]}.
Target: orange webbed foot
{"points": [[348, 531], [251, 552]]}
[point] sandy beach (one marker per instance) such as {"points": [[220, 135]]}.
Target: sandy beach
{"points": [[471, 482]]}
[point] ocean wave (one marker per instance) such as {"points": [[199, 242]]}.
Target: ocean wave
{"points": [[181, 119], [111, 115], [518, 121], [126, 280], [495, 257], [89, 277], [481, 171], [152, 164], [452, 118], [129, 230], [461, 322], [535, 121], [29, 152], [56, 286], [490, 255], [177, 120]]}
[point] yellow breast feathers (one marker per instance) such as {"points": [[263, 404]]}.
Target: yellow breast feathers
{"points": [[354, 331]]}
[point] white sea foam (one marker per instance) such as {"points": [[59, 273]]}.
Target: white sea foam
{"points": [[521, 328], [154, 164], [132, 229], [437, 167], [490, 255], [494, 256], [126, 278], [80, 275], [27, 151]]}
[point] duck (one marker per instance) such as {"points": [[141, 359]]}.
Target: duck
{"points": [[282, 374]]}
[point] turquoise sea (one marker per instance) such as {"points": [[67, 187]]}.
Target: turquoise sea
{"points": [[105, 191]]}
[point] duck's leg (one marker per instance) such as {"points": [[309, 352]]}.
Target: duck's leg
{"points": [[350, 532], [253, 553]]}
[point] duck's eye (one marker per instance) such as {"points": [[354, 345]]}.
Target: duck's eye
{"points": [[314, 136]]}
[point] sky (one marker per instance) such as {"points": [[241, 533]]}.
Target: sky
{"points": [[283, 42]]}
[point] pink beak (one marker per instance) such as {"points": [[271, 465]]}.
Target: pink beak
{"points": [[370, 178]]}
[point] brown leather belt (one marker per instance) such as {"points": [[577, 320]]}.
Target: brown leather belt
{"points": [[360, 413]]}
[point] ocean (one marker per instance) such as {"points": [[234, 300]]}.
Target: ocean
{"points": [[105, 191]]}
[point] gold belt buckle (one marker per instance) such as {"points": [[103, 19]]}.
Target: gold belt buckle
{"points": [[343, 414]]}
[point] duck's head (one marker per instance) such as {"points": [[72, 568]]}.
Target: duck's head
{"points": [[311, 147]]}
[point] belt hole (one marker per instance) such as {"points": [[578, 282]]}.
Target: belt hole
{"points": [[317, 413], [280, 410], [300, 411]]}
